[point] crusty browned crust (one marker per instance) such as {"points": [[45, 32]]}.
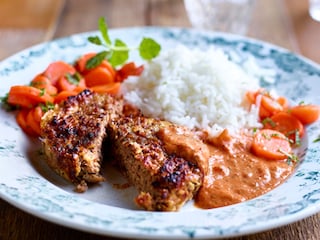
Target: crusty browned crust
{"points": [[73, 134], [165, 181]]}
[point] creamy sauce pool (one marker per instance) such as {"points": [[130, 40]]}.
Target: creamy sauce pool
{"points": [[232, 173]]}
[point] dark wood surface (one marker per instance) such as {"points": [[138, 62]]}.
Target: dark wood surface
{"points": [[24, 23]]}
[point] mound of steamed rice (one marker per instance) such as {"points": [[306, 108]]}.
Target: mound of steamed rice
{"points": [[195, 88]]}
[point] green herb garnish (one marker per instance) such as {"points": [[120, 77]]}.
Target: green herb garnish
{"points": [[5, 105], [73, 78], [268, 121], [117, 53], [290, 157], [46, 107]]}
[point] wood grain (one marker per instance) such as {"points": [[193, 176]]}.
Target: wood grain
{"points": [[25, 23]]}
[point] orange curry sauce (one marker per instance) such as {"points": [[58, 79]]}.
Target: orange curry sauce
{"points": [[236, 175], [232, 173]]}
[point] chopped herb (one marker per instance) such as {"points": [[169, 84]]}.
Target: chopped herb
{"points": [[46, 107], [37, 84], [5, 105], [290, 157], [266, 136], [275, 135], [296, 140], [97, 59], [268, 120], [73, 78], [42, 91], [117, 53], [317, 139]]}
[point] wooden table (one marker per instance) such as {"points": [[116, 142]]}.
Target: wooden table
{"points": [[26, 22]]}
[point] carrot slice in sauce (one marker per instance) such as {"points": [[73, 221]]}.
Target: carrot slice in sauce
{"points": [[271, 145], [287, 124]]}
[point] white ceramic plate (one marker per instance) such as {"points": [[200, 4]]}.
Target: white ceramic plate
{"points": [[27, 183]]}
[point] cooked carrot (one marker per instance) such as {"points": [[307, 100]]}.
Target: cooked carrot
{"points": [[27, 96], [42, 82], [70, 82], [82, 62], [306, 113], [21, 119], [270, 105], [283, 102], [58, 69], [63, 95], [129, 69], [111, 88], [98, 76], [286, 124], [32, 122], [79, 89], [271, 145], [38, 113], [264, 113]]}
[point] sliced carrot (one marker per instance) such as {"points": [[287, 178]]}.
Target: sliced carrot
{"points": [[306, 113], [21, 119], [33, 123], [270, 104], [42, 82], [98, 76], [82, 61], [111, 88], [129, 69], [283, 102], [79, 89], [61, 96], [37, 113], [264, 113], [27, 96], [58, 69], [286, 124], [108, 66], [271, 145], [70, 82]]}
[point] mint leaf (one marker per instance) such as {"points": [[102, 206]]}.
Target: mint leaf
{"points": [[95, 40], [97, 59], [103, 27], [120, 55], [149, 48]]}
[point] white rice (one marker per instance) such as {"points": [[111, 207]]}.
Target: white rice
{"points": [[195, 88]]}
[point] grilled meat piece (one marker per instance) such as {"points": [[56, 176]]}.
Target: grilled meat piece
{"points": [[165, 181], [73, 134]]}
